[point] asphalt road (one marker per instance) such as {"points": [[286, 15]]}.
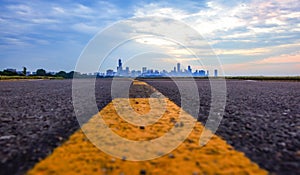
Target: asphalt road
{"points": [[36, 117], [262, 119]]}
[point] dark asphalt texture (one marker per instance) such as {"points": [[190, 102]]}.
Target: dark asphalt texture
{"points": [[36, 117], [262, 119]]}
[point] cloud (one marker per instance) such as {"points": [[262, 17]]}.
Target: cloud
{"points": [[21, 9], [282, 59], [285, 64], [44, 21], [153, 9], [85, 28], [14, 41], [255, 29], [241, 32], [247, 52], [218, 18]]}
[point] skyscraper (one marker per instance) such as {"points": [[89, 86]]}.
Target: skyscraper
{"points": [[127, 71], [120, 64], [216, 73], [119, 68], [144, 69], [189, 69], [178, 67]]}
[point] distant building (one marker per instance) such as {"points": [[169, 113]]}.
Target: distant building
{"points": [[120, 64], [127, 71], [201, 73], [144, 69], [110, 72], [195, 73], [216, 73], [189, 69], [99, 74], [146, 72], [119, 68], [135, 73], [178, 67]]}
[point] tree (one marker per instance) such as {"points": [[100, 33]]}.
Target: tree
{"points": [[9, 73], [62, 74], [40, 72], [74, 74], [24, 71]]}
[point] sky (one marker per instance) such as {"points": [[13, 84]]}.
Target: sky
{"points": [[248, 37]]}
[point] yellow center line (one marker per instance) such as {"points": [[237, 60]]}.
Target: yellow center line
{"points": [[78, 155]]}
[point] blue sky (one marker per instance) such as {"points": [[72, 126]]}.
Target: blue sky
{"points": [[249, 37]]}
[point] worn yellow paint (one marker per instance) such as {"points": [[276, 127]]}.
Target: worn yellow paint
{"points": [[133, 132], [79, 156]]}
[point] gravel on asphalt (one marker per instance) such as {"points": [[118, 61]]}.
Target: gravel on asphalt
{"points": [[261, 119]]}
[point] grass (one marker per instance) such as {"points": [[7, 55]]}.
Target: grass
{"points": [[3, 77]]}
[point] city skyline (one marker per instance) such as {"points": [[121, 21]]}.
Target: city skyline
{"points": [[177, 71], [150, 72], [249, 37]]}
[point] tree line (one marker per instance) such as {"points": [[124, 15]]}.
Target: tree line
{"points": [[41, 72]]}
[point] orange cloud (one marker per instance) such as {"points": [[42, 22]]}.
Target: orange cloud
{"points": [[280, 65], [280, 59]]}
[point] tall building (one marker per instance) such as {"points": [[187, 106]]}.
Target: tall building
{"points": [[127, 71], [216, 73], [120, 65], [144, 69], [178, 67], [189, 69], [119, 68]]}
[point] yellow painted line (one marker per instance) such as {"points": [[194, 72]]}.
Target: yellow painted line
{"points": [[79, 156]]}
